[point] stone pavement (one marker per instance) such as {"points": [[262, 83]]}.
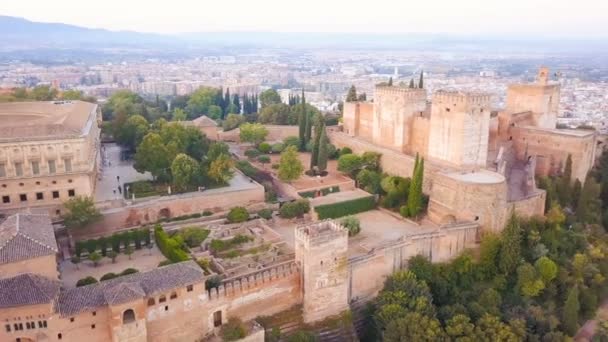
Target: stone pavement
{"points": [[111, 167]]}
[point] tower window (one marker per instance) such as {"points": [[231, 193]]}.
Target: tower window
{"points": [[71, 193], [128, 316], [23, 197], [55, 194], [6, 199], [39, 196]]}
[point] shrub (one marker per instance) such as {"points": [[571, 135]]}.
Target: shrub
{"points": [[237, 214], [264, 159], [295, 209], [277, 148], [129, 271], [233, 330], [291, 141], [264, 147], [252, 153], [275, 166], [207, 213], [164, 263], [108, 276], [86, 281], [352, 224], [193, 236], [170, 247], [345, 150], [265, 213], [346, 208], [205, 264], [302, 336], [222, 245]]}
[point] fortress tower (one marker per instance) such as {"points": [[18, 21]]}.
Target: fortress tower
{"points": [[394, 110], [321, 251], [540, 98], [459, 128]]}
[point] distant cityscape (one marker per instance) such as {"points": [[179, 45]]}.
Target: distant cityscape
{"points": [[324, 75]]}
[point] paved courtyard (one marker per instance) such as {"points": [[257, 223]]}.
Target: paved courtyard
{"points": [[378, 227], [143, 260], [111, 167]]}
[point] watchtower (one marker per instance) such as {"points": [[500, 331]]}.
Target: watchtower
{"points": [[321, 250], [459, 128]]}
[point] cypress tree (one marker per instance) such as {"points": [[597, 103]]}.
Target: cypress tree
{"points": [[237, 103], [315, 146], [570, 313], [421, 82], [308, 125], [323, 152], [302, 124], [352, 94], [390, 81], [226, 102], [411, 83], [414, 200]]}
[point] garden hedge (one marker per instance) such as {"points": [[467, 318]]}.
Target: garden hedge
{"points": [[171, 248], [346, 208]]}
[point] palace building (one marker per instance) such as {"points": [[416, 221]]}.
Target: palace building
{"points": [[48, 153]]}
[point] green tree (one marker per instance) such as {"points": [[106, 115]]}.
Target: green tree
{"points": [[112, 254], [179, 115], [220, 169], [411, 86], [277, 114], [215, 112], [217, 149], [390, 81], [510, 249], [200, 101], [269, 97], [71, 94], [421, 81], [185, 171], [152, 155], [528, 281], [589, 204], [129, 251], [565, 183], [254, 133], [323, 151], [75, 259], [546, 268], [95, 258], [290, 166], [414, 199], [132, 132], [232, 121], [489, 253], [570, 312], [352, 94], [80, 212], [302, 119], [460, 329], [414, 327], [490, 329]]}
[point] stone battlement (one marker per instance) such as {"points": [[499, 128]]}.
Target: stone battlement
{"points": [[415, 94], [238, 285], [462, 97], [319, 233]]}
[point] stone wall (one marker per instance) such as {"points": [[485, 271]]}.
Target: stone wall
{"points": [[552, 148], [152, 210], [540, 99], [46, 266], [358, 119], [367, 273], [262, 293]]}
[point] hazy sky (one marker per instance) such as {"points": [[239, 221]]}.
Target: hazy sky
{"points": [[529, 17]]}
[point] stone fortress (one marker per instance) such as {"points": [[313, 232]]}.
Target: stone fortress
{"points": [[480, 163]]}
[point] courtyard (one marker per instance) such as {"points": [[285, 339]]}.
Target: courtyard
{"points": [[115, 172], [142, 260]]}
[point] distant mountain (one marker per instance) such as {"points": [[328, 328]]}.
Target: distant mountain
{"points": [[19, 33], [24, 39]]}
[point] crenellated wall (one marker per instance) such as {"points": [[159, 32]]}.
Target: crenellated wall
{"points": [[261, 293]]}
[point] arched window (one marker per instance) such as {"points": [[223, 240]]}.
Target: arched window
{"points": [[128, 316], [150, 301]]}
